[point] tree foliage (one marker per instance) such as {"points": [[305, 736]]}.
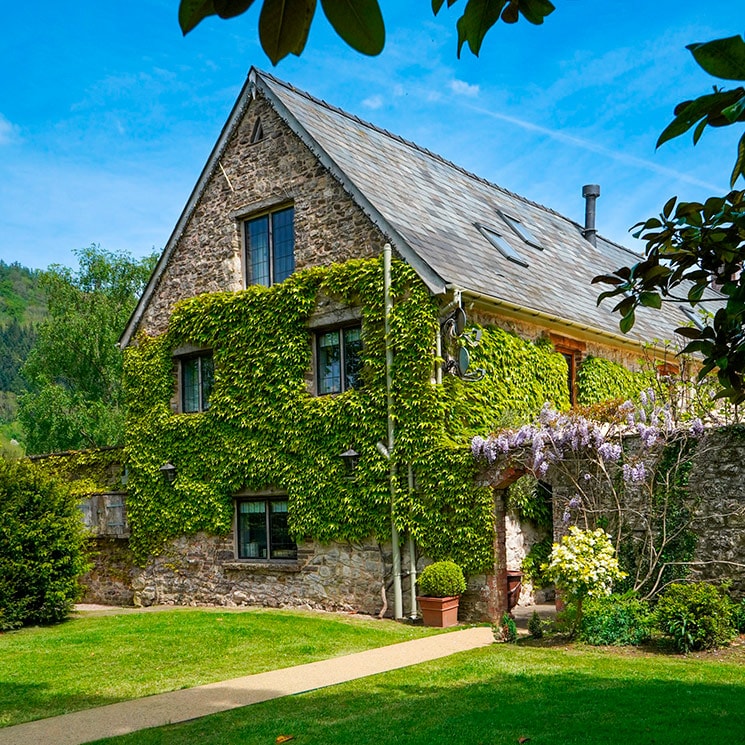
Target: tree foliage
{"points": [[74, 397], [692, 246], [284, 25]]}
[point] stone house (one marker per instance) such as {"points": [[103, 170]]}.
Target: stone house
{"points": [[268, 342]]}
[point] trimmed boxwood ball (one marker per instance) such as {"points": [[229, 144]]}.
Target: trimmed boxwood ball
{"points": [[42, 542], [443, 579]]}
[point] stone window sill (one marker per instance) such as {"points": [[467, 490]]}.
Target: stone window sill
{"points": [[263, 567]]}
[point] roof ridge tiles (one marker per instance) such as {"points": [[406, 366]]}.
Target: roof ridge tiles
{"points": [[413, 145]]}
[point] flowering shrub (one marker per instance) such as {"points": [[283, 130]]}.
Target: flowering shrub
{"points": [[584, 564]]}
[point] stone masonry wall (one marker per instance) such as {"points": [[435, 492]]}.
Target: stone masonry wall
{"points": [[278, 170], [718, 487]]}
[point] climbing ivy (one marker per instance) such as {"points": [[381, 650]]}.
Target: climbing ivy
{"points": [[263, 429], [599, 380], [86, 471], [520, 377]]}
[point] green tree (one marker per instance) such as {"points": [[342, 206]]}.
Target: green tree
{"points": [[693, 247], [74, 370], [284, 25]]}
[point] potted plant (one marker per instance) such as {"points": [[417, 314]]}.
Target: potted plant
{"points": [[440, 585]]}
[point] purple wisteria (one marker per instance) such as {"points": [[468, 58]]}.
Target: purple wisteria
{"points": [[556, 436]]}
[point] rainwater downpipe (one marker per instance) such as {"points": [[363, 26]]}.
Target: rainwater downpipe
{"points": [[398, 604], [412, 554]]}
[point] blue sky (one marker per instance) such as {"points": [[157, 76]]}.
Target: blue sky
{"points": [[107, 114]]}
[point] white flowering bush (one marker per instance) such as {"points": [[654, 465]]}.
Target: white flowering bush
{"points": [[584, 564]]}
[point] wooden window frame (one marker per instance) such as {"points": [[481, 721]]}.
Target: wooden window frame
{"points": [[573, 352]]}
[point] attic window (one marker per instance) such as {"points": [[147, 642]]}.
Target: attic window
{"points": [[521, 229], [258, 132], [501, 244]]}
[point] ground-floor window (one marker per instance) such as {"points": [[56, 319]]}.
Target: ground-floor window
{"points": [[262, 529]]}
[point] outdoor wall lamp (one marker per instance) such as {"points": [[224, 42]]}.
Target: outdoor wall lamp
{"points": [[351, 458], [168, 470]]}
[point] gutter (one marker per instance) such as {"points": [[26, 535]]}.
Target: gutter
{"points": [[520, 312]]}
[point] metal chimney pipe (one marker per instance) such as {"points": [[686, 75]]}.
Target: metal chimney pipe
{"points": [[590, 192]]}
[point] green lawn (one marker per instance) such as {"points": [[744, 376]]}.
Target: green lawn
{"points": [[96, 660], [497, 695]]}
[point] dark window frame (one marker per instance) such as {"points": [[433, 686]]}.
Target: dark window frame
{"points": [[204, 392], [264, 550], [344, 384], [271, 276]]}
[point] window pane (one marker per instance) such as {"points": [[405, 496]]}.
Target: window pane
{"points": [[329, 363], [208, 377], [190, 385], [282, 545], [283, 244], [352, 357], [252, 530], [257, 247]]}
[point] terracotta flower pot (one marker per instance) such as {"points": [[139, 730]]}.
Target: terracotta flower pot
{"points": [[439, 612]]}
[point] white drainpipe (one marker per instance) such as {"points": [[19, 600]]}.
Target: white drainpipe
{"points": [[398, 604], [412, 556]]}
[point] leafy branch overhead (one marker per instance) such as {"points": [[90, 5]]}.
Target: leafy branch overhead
{"points": [[695, 251], [284, 25], [725, 59]]}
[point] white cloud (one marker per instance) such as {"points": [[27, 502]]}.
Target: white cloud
{"points": [[8, 131], [373, 102], [461, 88]]}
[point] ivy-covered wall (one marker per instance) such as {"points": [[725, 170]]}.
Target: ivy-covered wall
{"points": [[263, 429], [87, 471], [601, 380]]}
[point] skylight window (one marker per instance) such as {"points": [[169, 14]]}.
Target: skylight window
{"points": [[497, 240], [693, 316], [521, 229]]}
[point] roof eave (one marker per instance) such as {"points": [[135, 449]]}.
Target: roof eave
{"points": [[524, 313]]}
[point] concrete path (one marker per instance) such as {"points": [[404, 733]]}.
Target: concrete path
{"points": [[179, 706]]}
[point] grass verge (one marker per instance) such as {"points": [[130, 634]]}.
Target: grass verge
{"points": [[96, 660], [498, 695]]}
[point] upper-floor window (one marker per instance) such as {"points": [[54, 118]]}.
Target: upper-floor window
{"points": [[270, 247], [197, 376], [338, 359]]}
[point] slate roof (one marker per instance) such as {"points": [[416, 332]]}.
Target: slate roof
{"points": [[430, 210], [434, 206]]}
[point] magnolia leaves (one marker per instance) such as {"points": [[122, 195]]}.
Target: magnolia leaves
{"points": [[480, 15], [284, 25], [722, 58], [690, 246]]}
